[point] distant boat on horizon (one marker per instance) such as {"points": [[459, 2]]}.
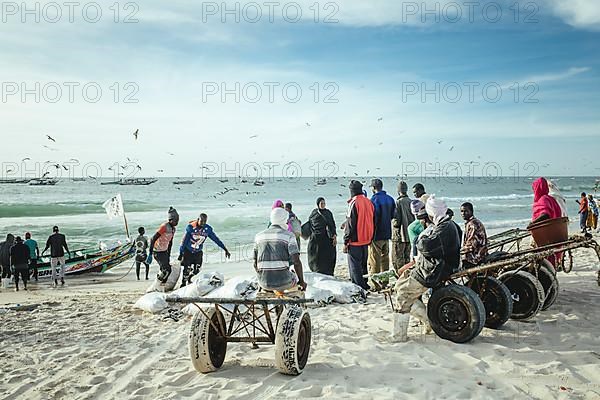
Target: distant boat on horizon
{"points": [[184, 182], [259, 182], [12, 181], [43, 182], [137, 181]]}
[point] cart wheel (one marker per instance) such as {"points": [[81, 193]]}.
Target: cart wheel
{"points": [[496, 299], [207, 346], [292, 340], [527, 293], [456, 313], [545, 275], [568, 268]]}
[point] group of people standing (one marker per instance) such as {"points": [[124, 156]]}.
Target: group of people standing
{"points": [[19, 259], [588, 213]]}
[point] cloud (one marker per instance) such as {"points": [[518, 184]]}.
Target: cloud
{"points": [[584, 14]]}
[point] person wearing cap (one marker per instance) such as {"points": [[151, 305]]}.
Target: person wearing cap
{"points": [[34, 254], [57, 243], [191, 249], [385, 209], [402, 219], [274, 250], [161, 244], [19, 259], [439, 255], [358, 233]]}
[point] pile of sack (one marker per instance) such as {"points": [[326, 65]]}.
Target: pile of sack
{"points": [[323, 289]]}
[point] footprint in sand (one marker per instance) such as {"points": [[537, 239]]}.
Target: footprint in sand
{"points": [[97, 380]]}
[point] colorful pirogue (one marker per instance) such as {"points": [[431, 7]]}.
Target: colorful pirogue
{"points": [[90, 260]]}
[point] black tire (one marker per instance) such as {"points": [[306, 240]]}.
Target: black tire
{"points": [[527, 294], [292, 340], [496, 300], [206, 345], [456, 313], [547, 277]]}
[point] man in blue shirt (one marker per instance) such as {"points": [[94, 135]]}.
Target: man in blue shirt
{"points": [[385, 210], [190, 251]]}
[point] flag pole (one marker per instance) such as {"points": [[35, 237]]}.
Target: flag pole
{"points": [[125, 218], [126, 226]]}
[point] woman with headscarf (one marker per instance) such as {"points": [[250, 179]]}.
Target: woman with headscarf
{"points": [[323, 240], [544, 205]]}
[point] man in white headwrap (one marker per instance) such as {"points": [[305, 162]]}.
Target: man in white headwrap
{"points": [[275, 249], [439, 256]]}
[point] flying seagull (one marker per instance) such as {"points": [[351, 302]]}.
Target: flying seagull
{"points": [[51, 138], [253, 136], [136, 133], [26, 159], [380, 119], [309, 125], [451, 148]]}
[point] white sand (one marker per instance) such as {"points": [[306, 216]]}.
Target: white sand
{"points": [[86, 341]]}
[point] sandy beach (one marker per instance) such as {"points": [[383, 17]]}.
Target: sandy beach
{"points": [[85, 341]]}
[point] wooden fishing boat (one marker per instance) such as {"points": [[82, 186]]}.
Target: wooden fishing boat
{"points": [[184, 182], [90, 260], [12, 181], [43, 182], [137, 182]]}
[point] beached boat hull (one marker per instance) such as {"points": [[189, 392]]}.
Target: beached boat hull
{"points": [[93, 261]]}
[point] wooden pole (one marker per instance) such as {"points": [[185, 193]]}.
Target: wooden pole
{"points": [[126, 226]]}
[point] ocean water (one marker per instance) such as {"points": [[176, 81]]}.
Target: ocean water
{"points": [[237, 211]]}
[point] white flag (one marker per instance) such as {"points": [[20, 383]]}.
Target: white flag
{"points": [[114, 207]]}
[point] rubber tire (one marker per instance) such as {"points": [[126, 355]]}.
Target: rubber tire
{"points": [[547, 278], [529, 291], [207, 347], [460, 298], [496, 299], [292, 340]]}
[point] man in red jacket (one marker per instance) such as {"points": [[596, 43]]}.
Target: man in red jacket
{"points": [[358, 233]]}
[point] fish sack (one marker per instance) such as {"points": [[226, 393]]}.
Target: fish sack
{"points": [[152, 302], [171, 281], [201, 285]]}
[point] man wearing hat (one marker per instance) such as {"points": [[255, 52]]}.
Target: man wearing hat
{"points": [[57, 242], [274, 249], [402, 219], [192, 244], [358, 233], [19, 259], [384, 209], [439, 254], [161, 244]]}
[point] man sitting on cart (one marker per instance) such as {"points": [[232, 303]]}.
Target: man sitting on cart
{"points": [[274, 250], [474, 247], [439, 255]]}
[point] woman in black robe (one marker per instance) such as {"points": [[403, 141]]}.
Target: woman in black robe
{"points": [[323, 240]]}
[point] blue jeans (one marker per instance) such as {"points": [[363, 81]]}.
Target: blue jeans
{"points": [[583, 221]]}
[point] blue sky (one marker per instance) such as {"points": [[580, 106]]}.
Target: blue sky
{"points": [[369, 57]]}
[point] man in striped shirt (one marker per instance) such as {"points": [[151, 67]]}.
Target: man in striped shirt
{"points": [[275, 249]]}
